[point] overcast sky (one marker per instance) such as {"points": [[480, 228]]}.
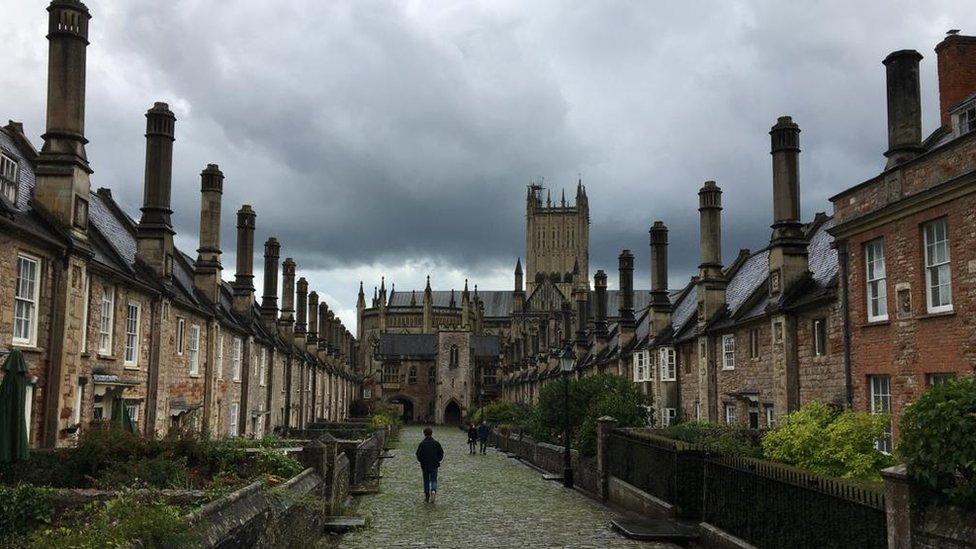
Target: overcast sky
{"points": [[397, 137]]}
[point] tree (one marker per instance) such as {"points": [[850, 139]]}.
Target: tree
{"points": [[589, 399]]}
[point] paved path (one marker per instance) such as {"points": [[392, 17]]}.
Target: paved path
{"points": [[484, 501]]}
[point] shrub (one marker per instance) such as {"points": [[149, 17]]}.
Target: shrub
{"points": [[938, 441], [498, 413], [589, 399], [22, 509], [125, 521], [825, 441], [721, 439]]}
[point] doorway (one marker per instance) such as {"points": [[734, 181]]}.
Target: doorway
{"points": [[452, 414]]}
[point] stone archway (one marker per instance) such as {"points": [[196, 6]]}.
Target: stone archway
{"points": [[406, 405], [452, 413]]}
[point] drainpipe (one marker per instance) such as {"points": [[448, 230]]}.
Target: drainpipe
{"points": [[843, 257]]}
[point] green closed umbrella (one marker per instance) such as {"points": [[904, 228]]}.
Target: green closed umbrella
{"points": [[13, 397], [120, 415]]}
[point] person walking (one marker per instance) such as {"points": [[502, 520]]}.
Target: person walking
{"points": [[472, 438], [483, 432], [430, 454]]}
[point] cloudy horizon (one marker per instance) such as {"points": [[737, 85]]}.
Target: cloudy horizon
{"points": [[382, 138]]}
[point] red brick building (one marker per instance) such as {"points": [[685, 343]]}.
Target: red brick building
{"points": [[905, 239]]}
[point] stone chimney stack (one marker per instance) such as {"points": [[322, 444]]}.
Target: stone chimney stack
{"points": [[660, 301], [325, 330], [154, 235], [600, 321], [208, 271], [287, 320], [904, 106], [244, 278], [711, 294], [269, 301], [62, 187], [313, 320], [957, 73], [625, 268], [580, 296], [788, 247], [301, 324]]}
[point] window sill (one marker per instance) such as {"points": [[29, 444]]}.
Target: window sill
{"points": [[237, 381], [130, 367], [940, 314], [724, 369], [27, 348], [107, 357], [194, 375], [872, 323]]}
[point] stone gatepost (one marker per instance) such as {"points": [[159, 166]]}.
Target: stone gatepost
{"points": [[897, 507], [320, 454], [604, 426]]}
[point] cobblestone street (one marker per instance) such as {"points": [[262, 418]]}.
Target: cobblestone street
{"points": [[484, 501]]}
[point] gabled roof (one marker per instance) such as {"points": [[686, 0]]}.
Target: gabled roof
{"points": [[413, 345]]}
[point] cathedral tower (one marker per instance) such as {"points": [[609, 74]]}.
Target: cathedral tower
{"points": [[557, 236]]}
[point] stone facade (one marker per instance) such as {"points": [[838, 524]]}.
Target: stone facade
{"points": [[103, 306]]}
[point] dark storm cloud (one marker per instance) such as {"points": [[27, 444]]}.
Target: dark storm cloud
{"points": [[372, 134]]}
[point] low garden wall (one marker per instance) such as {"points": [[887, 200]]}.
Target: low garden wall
{"points": [[550, 457]]}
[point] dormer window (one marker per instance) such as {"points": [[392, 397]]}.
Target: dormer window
{"points": [[9, 173], [965, 117]]}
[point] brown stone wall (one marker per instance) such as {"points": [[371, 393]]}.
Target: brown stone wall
{"points": [[227, 391], [177, 386], [687, 357], [750, 374], [453, 383], [822, 377]]}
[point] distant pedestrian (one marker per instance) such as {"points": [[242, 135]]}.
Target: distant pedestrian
{"points": [[430, 454], [472, 438], [483, 432]]}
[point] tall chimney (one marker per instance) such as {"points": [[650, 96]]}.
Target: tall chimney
{"points": [[904, 106], [625, 269], [244, 278], [208, 270], [62, 187], [313, 320], [269, 302], [660, 301], [788, 247], [154, 235], [287, 320], [600, 320], [711, 295], [301, 325], [957, 73], [325, 331]]}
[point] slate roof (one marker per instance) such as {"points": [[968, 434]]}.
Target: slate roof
{"points": [[747, 278], [486, 345], [415, 345]]}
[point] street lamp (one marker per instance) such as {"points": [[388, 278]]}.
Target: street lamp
{"points": [[566, 362]]}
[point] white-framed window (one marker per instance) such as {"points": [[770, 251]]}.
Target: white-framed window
{"points": [[881, 404], [220, 353], [819, 336], [131, 357], [263, 372], [668, 416], [770, 416], [79, 399], [698, 414], [194, 350], [666, 359], [232, 419], [133, 409], [107, 320], [180, 329], [939, 379], [754, 348], [877, 292], [84, 315], [26, 298], [9, 172], [938, 281], [966, 119], [236, 358], [728, 352], [640, 366], [730, 414]]}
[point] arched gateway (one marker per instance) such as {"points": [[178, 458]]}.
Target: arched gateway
{"points": [[452, 413]]}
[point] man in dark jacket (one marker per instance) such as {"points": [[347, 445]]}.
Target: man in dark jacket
{"points": [[483, 432], [430, 454]]}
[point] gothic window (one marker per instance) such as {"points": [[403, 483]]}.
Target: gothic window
{"points": [[489, 375], [431, 375], [455, 356], [412, 375], [390, 373]]}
